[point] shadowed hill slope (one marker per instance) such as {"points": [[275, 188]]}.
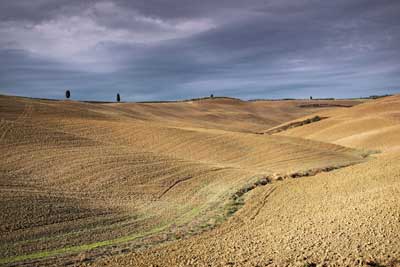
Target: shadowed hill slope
{"points": [[104, 178], [347, 217], [372, 125], [228, 114]]}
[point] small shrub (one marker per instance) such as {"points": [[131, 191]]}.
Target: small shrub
{"points": [[263, 181]]}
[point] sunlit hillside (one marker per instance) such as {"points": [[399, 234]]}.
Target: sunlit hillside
{"points": [[198, 183]]}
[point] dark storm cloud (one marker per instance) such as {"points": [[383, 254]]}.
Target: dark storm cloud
{"points": [[176, 49]]}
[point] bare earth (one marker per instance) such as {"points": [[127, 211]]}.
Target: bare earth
{"points": [[196, 184]]}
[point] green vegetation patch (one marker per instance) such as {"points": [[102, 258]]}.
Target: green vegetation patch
{"points": [[80, 248]]}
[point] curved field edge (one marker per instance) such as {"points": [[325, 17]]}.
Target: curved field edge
{"points": [[79, 248], [196, 155], [91, 246], [235, 202], [166, 228]]}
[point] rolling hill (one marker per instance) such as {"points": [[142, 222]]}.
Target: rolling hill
{"points": [[346, 217], [194, 183]]}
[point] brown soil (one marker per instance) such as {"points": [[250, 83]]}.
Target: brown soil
{"points": [[117, 184]]}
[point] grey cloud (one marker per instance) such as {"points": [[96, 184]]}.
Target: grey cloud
{"points": [[257, 49]]}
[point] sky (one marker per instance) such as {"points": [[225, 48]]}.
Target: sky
{"points": [[178, 49]]}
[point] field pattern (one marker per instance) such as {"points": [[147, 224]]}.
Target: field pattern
{"points": [[94, 183]]}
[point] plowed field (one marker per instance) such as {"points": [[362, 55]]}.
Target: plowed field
{"points": [[195, 183]]}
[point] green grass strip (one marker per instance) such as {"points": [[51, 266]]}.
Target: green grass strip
{"points": [[80, 248], [85, 247]]}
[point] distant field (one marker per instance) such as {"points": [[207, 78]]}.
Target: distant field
{"points": [[153, 183]]}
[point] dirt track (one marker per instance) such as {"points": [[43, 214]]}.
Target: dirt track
{"points": [[100, 178]]}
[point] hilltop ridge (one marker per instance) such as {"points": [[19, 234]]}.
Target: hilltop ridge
{"points": [[186, 182]]}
